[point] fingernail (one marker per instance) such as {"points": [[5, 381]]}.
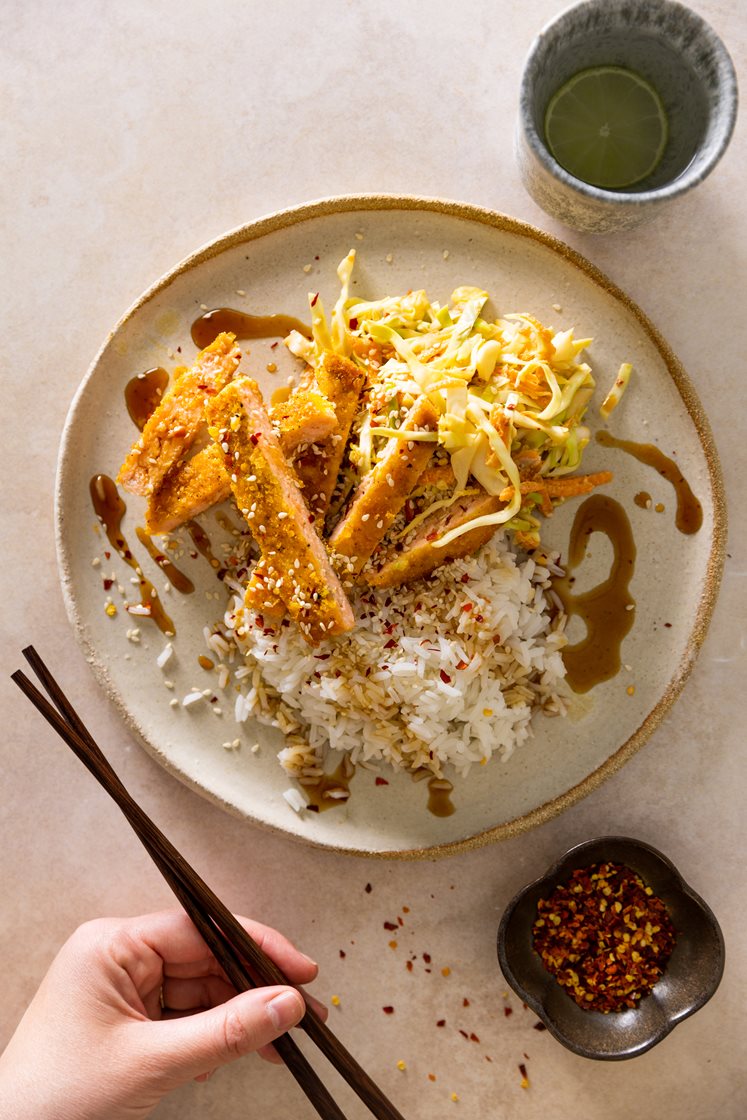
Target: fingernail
{"points": [[284, 1010], [310, 961]]}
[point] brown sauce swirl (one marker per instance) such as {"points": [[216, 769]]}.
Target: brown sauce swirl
{"points": [[110, 509], [143, 394], [439, 797], [318, 790], [689, 515], [201, 541], [207, 327], [608, 610], [176, 578]]}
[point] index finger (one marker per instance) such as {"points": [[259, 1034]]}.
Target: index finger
{"points": [[174, 938]]}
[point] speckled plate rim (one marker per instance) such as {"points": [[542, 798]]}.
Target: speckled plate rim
{"points": [[337, 204]]}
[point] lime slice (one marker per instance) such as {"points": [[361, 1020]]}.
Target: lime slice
{"points": [[607, 126]]}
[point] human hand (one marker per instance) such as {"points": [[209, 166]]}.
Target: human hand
{"points": [[132, 1008]]}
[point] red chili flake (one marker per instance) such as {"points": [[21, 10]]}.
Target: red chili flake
{"points": [[473, 1037], [467, 607], [464, 578], [273, 345], [409, 511], [444, 676], [313, 302], [478, 618], [431, 536], [465, 1002], [390, 925], [405, 909], [408, 966], [108, 583], [605, 937], [254, 437], [440, 1022], [353, 324], [391, 644], [464, 1034], [389, 627], [427, 958], [400, 921], [388, 1010], [462, 664], [508, 1011], [107, 555], [524, 1077], [342, 954], [540, 1026], [368, 888], [381, 782]]}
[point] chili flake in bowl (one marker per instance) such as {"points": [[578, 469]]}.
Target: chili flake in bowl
{"points": [[605, 936], [611, 948]]}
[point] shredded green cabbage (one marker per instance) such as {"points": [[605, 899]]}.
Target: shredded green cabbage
{"points": [[509, 391]]}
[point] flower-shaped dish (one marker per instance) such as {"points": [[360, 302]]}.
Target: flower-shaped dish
{"points": [[691, 977]]}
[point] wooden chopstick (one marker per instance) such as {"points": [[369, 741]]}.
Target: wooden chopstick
{"points": [[212, 917], [217, 942]]}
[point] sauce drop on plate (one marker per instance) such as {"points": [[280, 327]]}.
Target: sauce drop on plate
{"points": [[175, 577], [439, 797], [201, 542], [689, 516], [607, 609], [207, 327], [110, 509], [318, 790], [143, 394]]}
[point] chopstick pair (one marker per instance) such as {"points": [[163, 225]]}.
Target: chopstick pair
{"points": [[242, 959]]}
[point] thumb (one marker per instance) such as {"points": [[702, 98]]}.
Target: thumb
{"points": [[197, 1043]]}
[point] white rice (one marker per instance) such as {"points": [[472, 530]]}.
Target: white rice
{"points": [[448, 670]]}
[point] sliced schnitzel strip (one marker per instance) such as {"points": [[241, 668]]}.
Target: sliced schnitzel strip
{"points": [[198, 483], [317, 468], [267, 494], [420, 556], [304, 417], [187, 490], [384, 491], [179, 418]]}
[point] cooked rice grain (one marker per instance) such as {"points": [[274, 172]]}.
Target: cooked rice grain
{"points": [[448, 670]]}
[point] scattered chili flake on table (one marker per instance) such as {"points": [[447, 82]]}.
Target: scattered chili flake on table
{"points": [[605, 937]]}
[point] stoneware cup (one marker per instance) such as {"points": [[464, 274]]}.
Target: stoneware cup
{"points": [[679, 55]]}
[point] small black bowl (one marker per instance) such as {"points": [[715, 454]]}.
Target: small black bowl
{"points": [[690, 979]]}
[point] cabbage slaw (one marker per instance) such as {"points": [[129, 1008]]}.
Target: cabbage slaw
{"points": [[508, 391]]}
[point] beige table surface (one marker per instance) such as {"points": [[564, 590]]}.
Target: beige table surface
{"points": [[133, 133]]}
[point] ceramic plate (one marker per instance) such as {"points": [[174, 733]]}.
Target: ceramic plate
{"points": [[270, 266]]}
